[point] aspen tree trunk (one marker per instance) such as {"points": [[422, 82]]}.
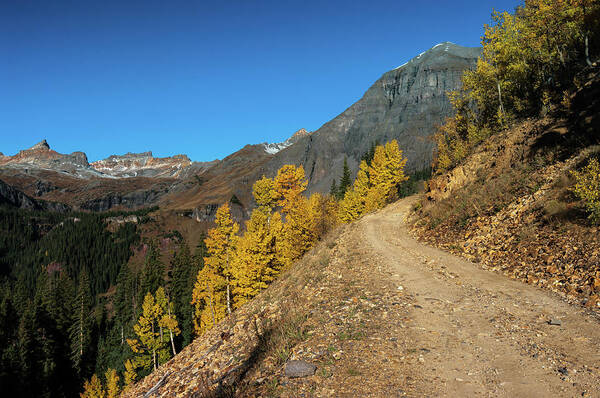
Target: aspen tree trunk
{"points": [[81, 330], [228, 304], [212, 310], [122, 337], [172, 343], [586, 38], [562, 58], [228, 300], [587, 51], [500, 97], [170, 331], [153, 349]]}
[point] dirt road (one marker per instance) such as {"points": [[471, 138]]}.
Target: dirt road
{"points": [[487, 335]]}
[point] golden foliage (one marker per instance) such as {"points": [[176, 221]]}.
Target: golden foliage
{"points": [[255, 264], [289, 184], [376, 185], [130, 375], [151, 343], [528, 59], [148, 344], [93, 388], [263, 191], [212, 291], [587, 188], [112, 383], [271, 241]]}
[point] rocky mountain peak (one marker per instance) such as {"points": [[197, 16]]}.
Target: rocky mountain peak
{"points": [[42, 145], [299, 134], [276, 147], [441, 51]]}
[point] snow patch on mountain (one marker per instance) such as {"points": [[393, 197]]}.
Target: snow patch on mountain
{"points": [[276, 147]]}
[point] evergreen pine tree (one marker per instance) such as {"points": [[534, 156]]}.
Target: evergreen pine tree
{"points": [[153, 272], [184, 270], [81, 328], [345, 181], [333, 190]]}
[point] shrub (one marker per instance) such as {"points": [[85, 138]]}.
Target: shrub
{"points": [[587, 188], [554, 208]]}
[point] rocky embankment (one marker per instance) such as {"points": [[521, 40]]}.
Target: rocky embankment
{"points": [[511, 208]]}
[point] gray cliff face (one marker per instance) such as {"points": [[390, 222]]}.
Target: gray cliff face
{"points": [[405, 104], [130, 200], [16, 198]]}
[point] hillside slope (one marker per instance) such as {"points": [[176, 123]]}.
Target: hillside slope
{"points": [[380, 314], [510, 205]]}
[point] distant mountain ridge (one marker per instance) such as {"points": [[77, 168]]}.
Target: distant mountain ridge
{"points": [[142, 164], [406, 104]]}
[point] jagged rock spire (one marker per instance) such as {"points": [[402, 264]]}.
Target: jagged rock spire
{"points": [[40, 145]]}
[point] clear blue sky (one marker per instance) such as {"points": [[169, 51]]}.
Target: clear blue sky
{"points": [[199, 77]]}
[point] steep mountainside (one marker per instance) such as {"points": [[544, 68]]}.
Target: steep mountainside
{"points": [[404, 104], [274, 148]]}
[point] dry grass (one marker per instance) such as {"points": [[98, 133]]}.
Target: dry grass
{"points": [[486, 196]]}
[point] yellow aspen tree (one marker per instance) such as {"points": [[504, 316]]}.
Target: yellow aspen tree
{"points": [[264, 194], [167, 319], [352, 206], [297, 235], [112, 383], [130, 375], [316, 219], [255, 263], [149, 344], [385, 174], [276, 230], [212, 292], [330, 213], [208, 300], [376, 195], [92, 388], [289, 184], [396, 163]]}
